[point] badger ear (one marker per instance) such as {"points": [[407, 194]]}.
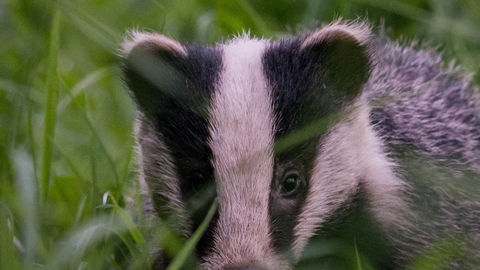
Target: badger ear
{"points": [[342, 54], [152, 66]]}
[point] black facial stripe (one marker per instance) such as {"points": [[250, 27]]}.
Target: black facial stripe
{"points": [[182, 120], [296, 104], [353, 223]]}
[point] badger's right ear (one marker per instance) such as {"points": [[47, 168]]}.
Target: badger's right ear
{"points": [[153, 68]]}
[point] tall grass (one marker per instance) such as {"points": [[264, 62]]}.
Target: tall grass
{"points": [[67, 164], [52, 89]]}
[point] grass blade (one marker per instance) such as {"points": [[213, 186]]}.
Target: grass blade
{"points": [[27, 201], [51, 105], [192, 242], [9, 257]]}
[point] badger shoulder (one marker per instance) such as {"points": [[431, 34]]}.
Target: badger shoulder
{"points": [[427, 114]]}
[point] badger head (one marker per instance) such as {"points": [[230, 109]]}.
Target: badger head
{"points": [[267, 127]]}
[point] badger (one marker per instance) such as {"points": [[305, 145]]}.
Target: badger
{"points": [[338, 134]]}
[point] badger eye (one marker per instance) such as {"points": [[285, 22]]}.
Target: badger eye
{"points": [[290, 182], [194, 182], [195, 177]]}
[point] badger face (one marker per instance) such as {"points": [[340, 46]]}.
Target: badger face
{"points": [[264, 127]]}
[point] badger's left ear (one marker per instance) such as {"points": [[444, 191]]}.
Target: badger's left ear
{"points": [[343, 57], [154, 70]]}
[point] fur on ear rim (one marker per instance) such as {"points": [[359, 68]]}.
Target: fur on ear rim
{"points": [[152, 41], [360, 31]]}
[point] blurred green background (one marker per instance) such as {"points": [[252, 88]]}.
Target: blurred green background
{"points": [[67, 162]]}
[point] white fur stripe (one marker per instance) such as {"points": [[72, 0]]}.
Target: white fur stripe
{"points": [[348, 154], [242, 157]]}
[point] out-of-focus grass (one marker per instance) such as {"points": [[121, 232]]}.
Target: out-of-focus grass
{"points": [[52, 88], [67, 165]]}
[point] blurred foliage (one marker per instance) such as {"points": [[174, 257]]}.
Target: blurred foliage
{"points": [[69, 80]]}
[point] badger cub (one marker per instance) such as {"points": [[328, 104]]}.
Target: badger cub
{"points": [[338, 135]]}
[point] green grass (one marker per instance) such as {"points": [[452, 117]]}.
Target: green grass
{"points": [[67, 163], [52, 89]]}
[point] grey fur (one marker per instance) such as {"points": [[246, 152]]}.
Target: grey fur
{"points": [[429, 117], [433, 108]]}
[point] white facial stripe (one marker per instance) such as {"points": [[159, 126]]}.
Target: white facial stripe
{"points": [[242, 129], [349, 153]]}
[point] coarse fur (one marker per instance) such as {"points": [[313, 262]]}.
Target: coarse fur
{"points": [[334, 134]]}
